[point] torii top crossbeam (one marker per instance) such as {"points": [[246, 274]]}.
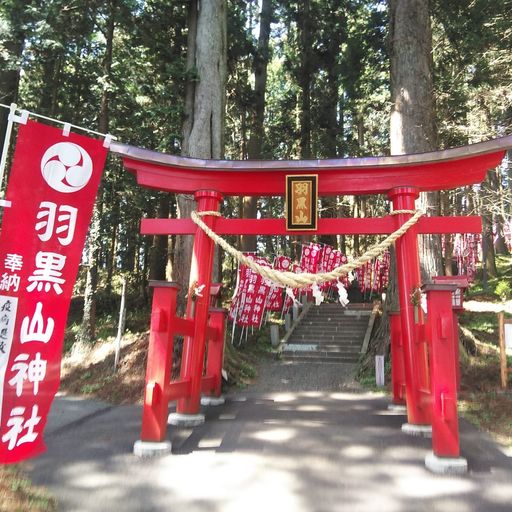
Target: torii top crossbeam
{"points": [[439, 170]]}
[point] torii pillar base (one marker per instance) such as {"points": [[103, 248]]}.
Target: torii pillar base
{"points": [[446, 465], [146, 449], [417, 430], [212, 400], [185, 420], [398, 408]]}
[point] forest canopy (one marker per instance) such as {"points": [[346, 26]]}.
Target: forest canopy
{"points": [[303, 79]]}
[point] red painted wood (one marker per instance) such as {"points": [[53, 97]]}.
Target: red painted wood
{"points": [[402, 178], [208, 384], [408, 276], [215, 351], [342, 179], [397, 359], [198, 307], [184, 326], [158, 369], [366, 226], [177, 389], [445, 422]]}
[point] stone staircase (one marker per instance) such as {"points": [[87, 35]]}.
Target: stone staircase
{"points": [[329, 333]]}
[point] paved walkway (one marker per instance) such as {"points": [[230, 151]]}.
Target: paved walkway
{"points": [[283, 445]]}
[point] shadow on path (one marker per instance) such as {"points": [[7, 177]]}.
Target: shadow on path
{"points": [[287, 450]]}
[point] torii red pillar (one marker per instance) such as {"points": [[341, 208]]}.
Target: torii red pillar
{"points": [[201, 276], [409, 280]]}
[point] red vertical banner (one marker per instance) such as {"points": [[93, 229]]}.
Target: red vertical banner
{"points": [[52, 186]]}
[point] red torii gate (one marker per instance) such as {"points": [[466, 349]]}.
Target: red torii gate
{"points": [[430, 375]]}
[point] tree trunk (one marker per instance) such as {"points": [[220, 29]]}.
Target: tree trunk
{"points": [[88, 327], [304, 23], [446, 209], [158, 251], [331, 101], [255, 145], [203, 128], [111, 253], [498, 211], [10, 59], [488, 255], [412, 126], [87, 332]]}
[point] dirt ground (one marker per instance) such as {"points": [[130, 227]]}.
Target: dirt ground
{"points": [[90, 371]]}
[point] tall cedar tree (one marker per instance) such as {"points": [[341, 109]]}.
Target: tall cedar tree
{"points": [[203, 130], [412, 126]]}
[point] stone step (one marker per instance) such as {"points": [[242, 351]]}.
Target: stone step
{"points": [[351, 306], [318, 358], [339, 310], [333, 329], [329, 333], [341, 336], [328, 352], [342, 319], [323, 345], [306, 340], [334, 321], [336, 318]]}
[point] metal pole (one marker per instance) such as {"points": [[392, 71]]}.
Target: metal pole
{"points": [[5, 150]]}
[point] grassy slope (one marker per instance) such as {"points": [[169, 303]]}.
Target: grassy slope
{"points": [[18, 494]]}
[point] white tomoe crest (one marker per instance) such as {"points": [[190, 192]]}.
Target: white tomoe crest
{"points": [[66, 167]]}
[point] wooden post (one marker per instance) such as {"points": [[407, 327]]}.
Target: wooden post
{"points": [[215, 355], [503, 350], [397, 359], [445, 457], [158, 370], [201, 274], [409, 280]]}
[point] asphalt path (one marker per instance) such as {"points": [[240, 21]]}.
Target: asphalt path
{"points": [[304, 438]]}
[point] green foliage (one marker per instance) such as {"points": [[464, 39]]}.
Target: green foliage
{"points": [[91, 387], [366, 376], [247, 371], [504, 290], [472, 40], [58, 51], [498, 288]]}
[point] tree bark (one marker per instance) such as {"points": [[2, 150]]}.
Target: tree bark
{"points": [[330, 112], [88, 326], [10, 59], [255, 145], [203, 128], [304, 23], [412, 125], [489, 256], [158, 251]]}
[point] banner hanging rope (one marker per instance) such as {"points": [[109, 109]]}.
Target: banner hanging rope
{"points": [[23, 118], [292, 280], [14, 107]]}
